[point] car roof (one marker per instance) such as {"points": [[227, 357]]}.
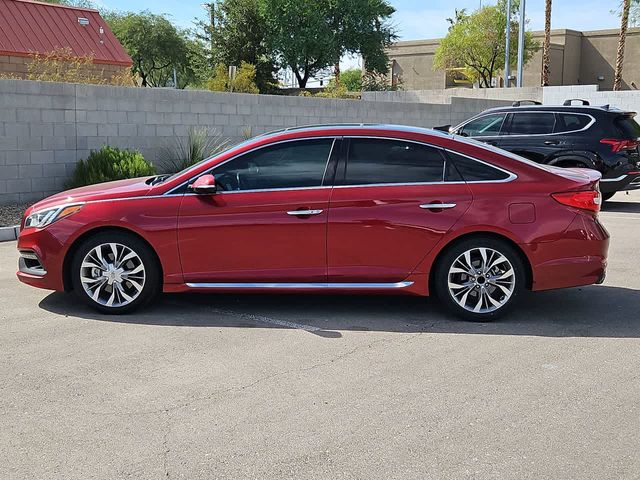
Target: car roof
{"points": [[356, 127]]}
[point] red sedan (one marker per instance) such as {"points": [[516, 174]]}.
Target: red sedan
{"points": [[366, 208]]}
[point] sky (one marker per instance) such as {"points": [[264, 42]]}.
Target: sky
{"points": [[418, 19]]}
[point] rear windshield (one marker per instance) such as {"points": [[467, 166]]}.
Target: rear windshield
{"points": [[628, 127]]}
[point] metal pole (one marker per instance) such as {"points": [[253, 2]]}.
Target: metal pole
{"points": [[521, 43], [212, 18], [507, 47]]}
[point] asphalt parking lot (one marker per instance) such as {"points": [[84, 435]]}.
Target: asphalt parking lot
{"points": [[218, 386]]}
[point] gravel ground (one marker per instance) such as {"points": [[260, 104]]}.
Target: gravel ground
{"points": [[11, 215]]}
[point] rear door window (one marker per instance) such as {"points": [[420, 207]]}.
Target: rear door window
{"points": [[571, 122], [531, 123], [380, 161]]}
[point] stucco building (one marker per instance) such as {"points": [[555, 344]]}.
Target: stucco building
{"points": [[28, 28], [586, 58]]}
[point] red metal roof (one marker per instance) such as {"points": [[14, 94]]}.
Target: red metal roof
{"points": [[28, 27]]}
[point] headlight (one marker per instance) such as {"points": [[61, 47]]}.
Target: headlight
{"points": [[46, 217]]}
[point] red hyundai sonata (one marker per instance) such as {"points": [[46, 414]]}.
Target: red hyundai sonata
{"points": [[360, 208]]}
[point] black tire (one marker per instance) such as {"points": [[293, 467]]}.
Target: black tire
{"points": [[608, 196], [152, 280], [449, 257]]}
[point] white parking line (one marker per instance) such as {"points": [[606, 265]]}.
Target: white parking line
{"points": [[629, 216]]}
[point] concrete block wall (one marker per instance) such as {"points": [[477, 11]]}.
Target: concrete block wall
{"points": [[45, 128], [624, 99], [445, 95]]}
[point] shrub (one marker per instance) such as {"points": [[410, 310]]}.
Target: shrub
{"points": [[199, 144], [61, 65], [110, 163], [244, 81], [375, 82], [352, 79]]}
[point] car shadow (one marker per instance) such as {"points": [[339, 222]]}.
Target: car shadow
{"points": [[594, 311], [621, 206]]}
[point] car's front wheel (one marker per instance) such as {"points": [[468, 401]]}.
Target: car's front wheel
{"points": [[115, 272], [479, 279]]}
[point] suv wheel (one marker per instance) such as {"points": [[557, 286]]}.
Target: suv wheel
{"points": [[479, 279], [115, 272]]}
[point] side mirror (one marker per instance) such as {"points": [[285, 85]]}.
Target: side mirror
{"points": [[443, 128], [206, 185]]}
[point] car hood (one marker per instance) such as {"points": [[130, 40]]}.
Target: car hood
{"points": [[134, 187]]}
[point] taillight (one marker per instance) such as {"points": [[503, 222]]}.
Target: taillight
{"points": [[620, 145], [584, 200]]}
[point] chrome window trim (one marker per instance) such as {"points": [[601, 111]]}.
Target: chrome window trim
{"points": [[512, 176], [260, 147], [555, 112], [617, 179], [327, 285]]}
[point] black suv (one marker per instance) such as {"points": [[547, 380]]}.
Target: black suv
{"points": [[603, 138]]}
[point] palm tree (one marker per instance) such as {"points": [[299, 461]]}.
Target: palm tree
{"points": [[624, 23], [547, 43]]}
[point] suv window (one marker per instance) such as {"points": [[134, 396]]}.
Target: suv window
{"points": [[286, 165], [531, 123], [570, 122], [373, 161], [474, 171], [628, 127], [486, 126]]}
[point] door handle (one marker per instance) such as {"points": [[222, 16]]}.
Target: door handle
{"points": [[304, 213], [551, 142], [437, 206]]}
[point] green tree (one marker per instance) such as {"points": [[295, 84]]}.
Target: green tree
{"points": [[297, 32], [476, 42], [310, 36], [352, 79], [634, 12], [362, 27], [155, 45], [239, 35], [244, 81], [74, 3], [624, 24]]}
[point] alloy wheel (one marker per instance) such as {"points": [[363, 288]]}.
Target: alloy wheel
{"points": [[112, 275], [481, 280]]}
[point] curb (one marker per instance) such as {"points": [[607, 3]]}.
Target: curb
{"points": [[8, 234]]}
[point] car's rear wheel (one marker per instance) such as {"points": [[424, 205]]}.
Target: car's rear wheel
{"points": [[479, 279], [115, 272]]}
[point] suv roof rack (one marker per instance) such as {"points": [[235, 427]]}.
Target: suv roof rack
{"points": [[569, 102], [529, 102]]}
